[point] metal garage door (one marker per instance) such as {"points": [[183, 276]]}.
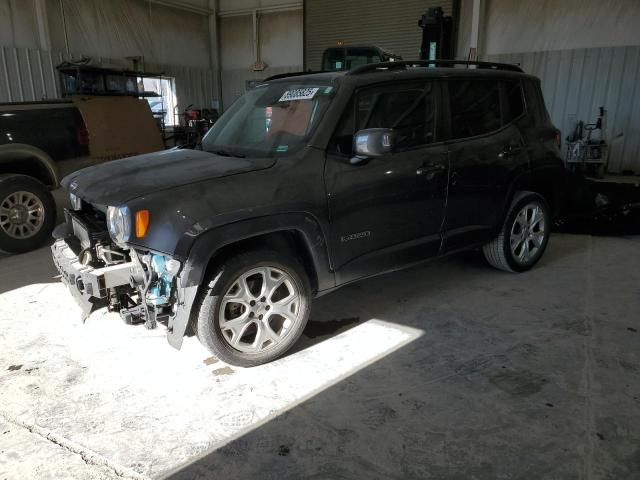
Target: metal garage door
{"points": [[392, 25]]}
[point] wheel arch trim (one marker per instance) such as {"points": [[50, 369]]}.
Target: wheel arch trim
{"points": [[541, 180], [209, 243], [21, 151]]}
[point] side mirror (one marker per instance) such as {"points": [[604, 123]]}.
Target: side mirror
{"points": [[372, 142]]}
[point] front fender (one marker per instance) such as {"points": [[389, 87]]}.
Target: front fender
{"points": [[208, 243]]}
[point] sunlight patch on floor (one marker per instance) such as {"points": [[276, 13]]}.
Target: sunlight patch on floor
{"points": [[104, 384]]}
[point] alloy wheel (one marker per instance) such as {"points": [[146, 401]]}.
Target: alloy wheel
{"points": [[259, 310], [21, 215], [528, 233]]}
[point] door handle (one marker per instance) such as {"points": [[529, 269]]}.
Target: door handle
{"points": [[510, 151], [430, 169]]}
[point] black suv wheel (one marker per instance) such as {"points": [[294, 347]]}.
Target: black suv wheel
{"points": [[254, 308], [524, 235], [27, 213]]}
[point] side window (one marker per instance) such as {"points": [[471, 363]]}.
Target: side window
{"points": [[410, 111], [515, 105], [475, 107]]}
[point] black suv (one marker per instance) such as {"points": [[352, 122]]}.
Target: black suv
{"points": [[305, 184]]}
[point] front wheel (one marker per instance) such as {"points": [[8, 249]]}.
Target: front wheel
{"points": [[254, 308], [524, 235]]}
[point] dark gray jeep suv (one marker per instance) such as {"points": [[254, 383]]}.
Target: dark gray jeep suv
{"points": [[307, 183]]}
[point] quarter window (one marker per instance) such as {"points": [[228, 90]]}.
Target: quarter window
{"points": [[475, 107], [515, 105]]}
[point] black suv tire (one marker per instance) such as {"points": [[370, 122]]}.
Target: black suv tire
{"points": [[226, 293], [506, 251], [39, 198]]}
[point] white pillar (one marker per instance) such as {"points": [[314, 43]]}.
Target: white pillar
{"points": [[214, 50], [475, 31], [44, 40]]}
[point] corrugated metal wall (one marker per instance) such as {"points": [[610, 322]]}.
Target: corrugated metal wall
{"points": [[577, 82], [30, 74], [391, 25]]}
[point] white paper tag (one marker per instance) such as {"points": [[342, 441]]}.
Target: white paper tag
{"points": [[299, 94]]}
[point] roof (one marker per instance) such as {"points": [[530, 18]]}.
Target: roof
{"points": [[407, 69]]}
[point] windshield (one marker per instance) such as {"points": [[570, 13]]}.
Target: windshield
{"points": [[271, 119]]}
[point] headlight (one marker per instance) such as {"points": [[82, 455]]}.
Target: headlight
{"points": [[119, 224], [76, 202]]}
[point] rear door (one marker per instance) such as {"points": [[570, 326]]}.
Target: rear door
{"points": [[486, 151], [387, 212]]}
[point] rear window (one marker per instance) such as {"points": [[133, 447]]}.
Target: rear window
{"points": [[475, 107]]}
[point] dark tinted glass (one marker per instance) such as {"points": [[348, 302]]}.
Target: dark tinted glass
{"points": [[58, 130], [515, 105], [535, 104], [475, 107], [409, 112]]}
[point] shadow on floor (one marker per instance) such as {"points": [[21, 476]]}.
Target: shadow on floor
{"points": [[488, 391]]}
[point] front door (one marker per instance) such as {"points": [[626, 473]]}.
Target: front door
{"points": [[388, 211]]}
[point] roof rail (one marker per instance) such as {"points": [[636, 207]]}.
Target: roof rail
{"points": [[289, 74], [403, 64]]}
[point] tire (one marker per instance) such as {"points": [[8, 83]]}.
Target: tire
{"points": [[27, 213], [225, 298], [529, 242]]}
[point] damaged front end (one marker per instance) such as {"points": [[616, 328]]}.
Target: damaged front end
{"points": [[141, 285]]}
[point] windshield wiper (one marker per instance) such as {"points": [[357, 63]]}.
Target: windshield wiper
{"points": [[227, 153]]}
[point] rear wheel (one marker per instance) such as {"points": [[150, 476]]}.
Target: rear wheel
{"points": [[27, 213], [255, 308], [524, 235]]}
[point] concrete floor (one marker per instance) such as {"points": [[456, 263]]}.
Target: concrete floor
{"points": [[449, 370]]}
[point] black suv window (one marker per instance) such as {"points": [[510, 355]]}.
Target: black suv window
{"points": [[410, 111], [475, 107], [515, 105], [535, 103]]}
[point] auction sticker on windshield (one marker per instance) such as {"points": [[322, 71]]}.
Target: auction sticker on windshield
{"points": [[299, 94]]}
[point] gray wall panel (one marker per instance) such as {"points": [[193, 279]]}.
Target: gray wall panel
{"points": [[30, 74], [577, 82], [536, 25]]}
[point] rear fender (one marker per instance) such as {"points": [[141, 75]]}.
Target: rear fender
{"points": [[18, 152], [545, 180]]}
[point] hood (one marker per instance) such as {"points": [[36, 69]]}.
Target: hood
{"points": [[118, 181]]}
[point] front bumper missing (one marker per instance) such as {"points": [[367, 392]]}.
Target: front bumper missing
{"points": [[89, 286]]}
